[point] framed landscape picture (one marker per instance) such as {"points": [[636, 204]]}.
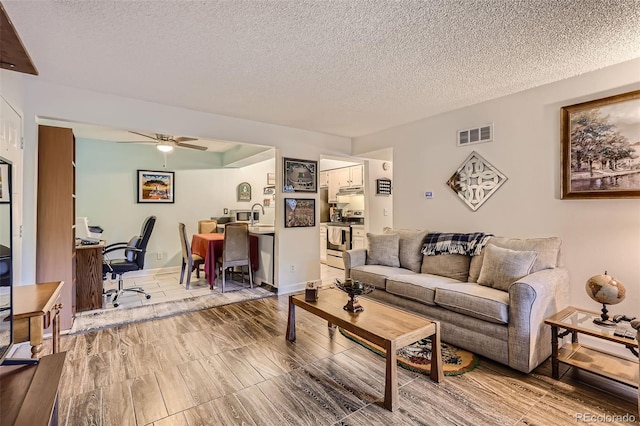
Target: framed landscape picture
{"points": [[300, 175], [155, 186], [601, 148], [299, 212]]}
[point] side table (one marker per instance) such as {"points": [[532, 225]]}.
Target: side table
{"points": [[35, 308], [577, 321]]}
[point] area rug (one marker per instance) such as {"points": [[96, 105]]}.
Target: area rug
{"points": [[96, 320], [417, 356]]}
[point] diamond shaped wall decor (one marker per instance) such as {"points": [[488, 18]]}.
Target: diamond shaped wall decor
{"points": [[476, 180]]}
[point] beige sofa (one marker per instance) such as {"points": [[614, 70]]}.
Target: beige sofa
{"points": [[482, 306]]}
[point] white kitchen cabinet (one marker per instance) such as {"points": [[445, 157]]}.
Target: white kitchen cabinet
{"points": [[323, 243], [358, 237], [324, 179], [343, 176], [334, 186], [356, 175]]}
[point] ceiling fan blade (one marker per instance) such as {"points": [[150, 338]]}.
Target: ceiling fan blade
{"points": [[142, 134], [184, 139], [188, 145]]}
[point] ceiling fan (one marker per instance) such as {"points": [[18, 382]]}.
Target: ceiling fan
{"points": [[166, 143]]}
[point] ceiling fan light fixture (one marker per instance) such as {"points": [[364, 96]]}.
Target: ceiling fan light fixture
{"points": [[164, 147]]}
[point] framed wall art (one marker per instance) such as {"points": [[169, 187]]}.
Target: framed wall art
{"points": [[244, 191], [601, 148], [271, 178], [476, 180], [300, 175], [155, 186], [299, 212]]}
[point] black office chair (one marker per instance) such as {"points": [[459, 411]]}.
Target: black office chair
{"points": [[134, 253]]}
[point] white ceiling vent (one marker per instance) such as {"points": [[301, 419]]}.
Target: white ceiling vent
{"points": [[476, 135]]}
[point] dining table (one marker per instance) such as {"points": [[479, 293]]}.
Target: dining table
{"points": [[209, 246]]}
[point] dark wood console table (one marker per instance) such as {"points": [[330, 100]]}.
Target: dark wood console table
{"points": [[29, 393]]}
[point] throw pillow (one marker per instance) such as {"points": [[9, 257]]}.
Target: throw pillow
{"points": [[548, 250], [410, 247], [383, 249], [501, 267], [454, 266]]}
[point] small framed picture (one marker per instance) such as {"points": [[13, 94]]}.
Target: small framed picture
{"points": [[271, 178], [155, 186], [244, 191], [268, 190], [300, 175], [299, 212]]}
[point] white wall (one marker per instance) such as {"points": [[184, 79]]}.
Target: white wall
{"points": [[597, 235], [106, 182], [298, 246]]}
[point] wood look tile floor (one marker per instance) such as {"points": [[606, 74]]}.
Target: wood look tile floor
{"points": [[231, 365]]}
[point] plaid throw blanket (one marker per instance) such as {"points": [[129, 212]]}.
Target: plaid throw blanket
{"points": [[467, 244]]}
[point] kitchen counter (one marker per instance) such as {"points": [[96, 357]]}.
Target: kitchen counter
{"points": [[257, 229], [262, 229]]}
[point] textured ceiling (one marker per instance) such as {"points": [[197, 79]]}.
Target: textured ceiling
{"points": [[341, 67]]}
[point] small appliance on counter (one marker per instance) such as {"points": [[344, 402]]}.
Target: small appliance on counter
{"points": [[335, 214]]}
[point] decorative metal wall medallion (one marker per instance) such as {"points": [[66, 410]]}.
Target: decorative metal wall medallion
{"points": [[476, 180]]}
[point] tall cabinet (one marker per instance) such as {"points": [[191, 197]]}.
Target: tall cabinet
{"points": [[55, 238]]}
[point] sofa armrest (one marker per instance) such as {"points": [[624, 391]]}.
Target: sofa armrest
{"points": [[531, 300], [353, 258]]}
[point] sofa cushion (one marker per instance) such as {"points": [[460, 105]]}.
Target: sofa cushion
{"points": [[376, 275], [485, 303], [454, 266], [383, 249], [418, 287], [548, 250], [410, 245], [501, 267]]}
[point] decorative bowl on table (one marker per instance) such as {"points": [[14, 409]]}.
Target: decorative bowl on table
{"points": [[353, 288]]}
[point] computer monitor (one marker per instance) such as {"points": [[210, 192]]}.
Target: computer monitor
{"points": [[82, 227]]}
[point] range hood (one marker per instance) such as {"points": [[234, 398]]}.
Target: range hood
{"points": [[356, 190]]}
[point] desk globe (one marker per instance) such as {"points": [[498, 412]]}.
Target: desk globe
{"points": [[606, 290]]}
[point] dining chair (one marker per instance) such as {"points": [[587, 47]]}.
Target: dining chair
{"points": [[235, 250], [207, 226], [190, 262]]}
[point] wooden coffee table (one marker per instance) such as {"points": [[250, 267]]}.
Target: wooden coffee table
{"points": [[381, 324]]}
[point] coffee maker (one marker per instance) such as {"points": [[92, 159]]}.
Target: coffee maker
{"points": [[335, 214]]}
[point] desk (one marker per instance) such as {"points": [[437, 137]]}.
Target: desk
{"points": [[89, 277], [35, 308], [209, 246]]}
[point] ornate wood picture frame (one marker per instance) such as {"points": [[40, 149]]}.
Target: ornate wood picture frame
{"points": [[600, 143]]}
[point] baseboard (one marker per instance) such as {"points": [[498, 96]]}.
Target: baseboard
{"points": [[156, 271]]}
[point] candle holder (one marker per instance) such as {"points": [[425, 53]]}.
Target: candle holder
{"points": [[354, 288]]}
